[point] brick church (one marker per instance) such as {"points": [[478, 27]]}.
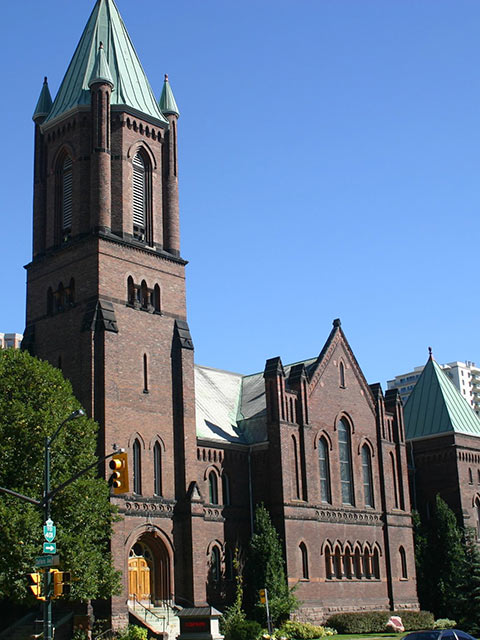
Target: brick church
{"points": [[323, 449]]}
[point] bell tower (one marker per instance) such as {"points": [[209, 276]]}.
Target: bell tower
{"points": [[106, 284]]}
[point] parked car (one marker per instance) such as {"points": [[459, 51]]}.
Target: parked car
{"points": [[438, 634]]}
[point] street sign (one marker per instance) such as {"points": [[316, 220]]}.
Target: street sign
{"points": [[49, 547], [47, 561], [49, 530]]}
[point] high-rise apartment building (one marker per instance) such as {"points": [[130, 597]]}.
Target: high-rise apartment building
{"points": [[10, 340], [464, 375]]}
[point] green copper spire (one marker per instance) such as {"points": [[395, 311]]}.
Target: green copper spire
{"points": [[44, 103], [167, 101], [131, 88], [435, 406], [101, 70]]}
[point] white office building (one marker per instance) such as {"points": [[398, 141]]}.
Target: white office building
{"points": [[464, 375]]}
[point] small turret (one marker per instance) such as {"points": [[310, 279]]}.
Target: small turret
{"points": [[101, 71], [167, 103], [44, 103], [171, 222]]}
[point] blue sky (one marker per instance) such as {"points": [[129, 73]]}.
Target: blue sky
{"points": [[329, 167]]}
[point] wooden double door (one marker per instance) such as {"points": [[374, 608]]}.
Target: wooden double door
{"points": [[141, 577]]}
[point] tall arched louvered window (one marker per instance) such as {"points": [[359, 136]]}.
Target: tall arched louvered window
{"points": [[67, 183], [157, 469], [296, 470], [137, 468], [141, 198], [367, 476], [324, 465], [345, 455]]}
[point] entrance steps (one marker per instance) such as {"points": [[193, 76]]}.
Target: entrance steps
{"points": [[161, 619]]}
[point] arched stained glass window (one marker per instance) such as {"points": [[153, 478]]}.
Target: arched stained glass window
{"points": [[215, 564], [345, 456], [367, 476], [324, 466]]}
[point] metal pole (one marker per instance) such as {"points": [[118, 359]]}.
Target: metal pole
{"points": [[47, 607]]}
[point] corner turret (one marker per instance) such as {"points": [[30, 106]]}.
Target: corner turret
{"points": [[171, 228], [44, 103]]}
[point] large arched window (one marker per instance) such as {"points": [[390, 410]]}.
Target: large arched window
{"points": [[66, 194], [324, 466], [345, 456], [141, 198], [157, 469], [367, 476], [213, 487], [137, 468]]}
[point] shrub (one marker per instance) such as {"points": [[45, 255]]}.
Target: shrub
{"points": [[444, 623], [375, 621], [133, 632], [245, 630], [301, 631], [413, 620]]}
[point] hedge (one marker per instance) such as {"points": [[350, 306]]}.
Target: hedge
{"points": [[375, 621]]}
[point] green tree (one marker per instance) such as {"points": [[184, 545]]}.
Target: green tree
{"points": [[440, 557], [265, 568], [34, 400], [470, 610]]}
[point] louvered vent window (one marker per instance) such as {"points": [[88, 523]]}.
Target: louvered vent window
{"points": [[67, 196], [139, 197]]}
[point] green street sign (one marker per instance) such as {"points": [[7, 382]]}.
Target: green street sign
{"points": [[47, 561], [49, 547]]}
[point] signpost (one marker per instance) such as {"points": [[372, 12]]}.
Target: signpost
{"points": [[49, 530], [49, 547], [47, 561]]}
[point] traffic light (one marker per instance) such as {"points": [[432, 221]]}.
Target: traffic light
{"points": [[61, 583], [36, 585], [119, 465], [263, 596]]}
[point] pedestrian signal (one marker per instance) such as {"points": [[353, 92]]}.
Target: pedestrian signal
{"points": [[36, 585], [119, 479], [61, 583]]}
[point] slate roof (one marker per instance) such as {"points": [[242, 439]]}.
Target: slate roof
{"points": [[435, 406], [231, 407], [131, 88]]}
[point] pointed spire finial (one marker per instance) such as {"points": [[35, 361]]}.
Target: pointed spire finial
{"points": [[101, 71], [430, 352], [44, 103], [167, 103]]}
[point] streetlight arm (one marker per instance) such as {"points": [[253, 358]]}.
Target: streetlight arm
{"points": [[38, 503], [73, 416], [78, 475]]}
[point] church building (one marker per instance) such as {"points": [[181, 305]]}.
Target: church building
{"points": [[320, 447]]}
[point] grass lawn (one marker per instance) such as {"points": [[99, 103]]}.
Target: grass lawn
{"points": [[351, 636]]}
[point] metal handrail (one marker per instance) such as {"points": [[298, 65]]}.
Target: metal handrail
{"points": [[147, 610]]}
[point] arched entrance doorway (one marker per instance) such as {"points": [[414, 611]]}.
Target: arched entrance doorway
{"points": [[149, 571]]}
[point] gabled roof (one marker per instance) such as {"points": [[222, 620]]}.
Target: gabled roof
{"points": [[131, 87], [435, 406]]}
